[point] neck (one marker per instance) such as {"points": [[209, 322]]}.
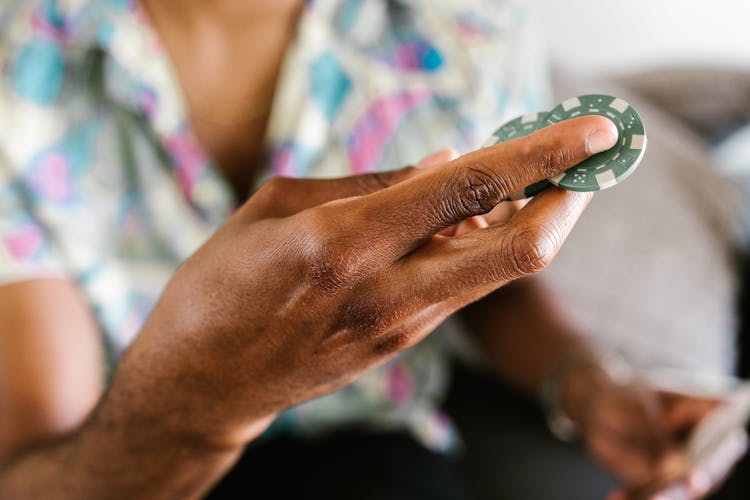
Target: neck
{"points": [[227, 55], [202, 14]]}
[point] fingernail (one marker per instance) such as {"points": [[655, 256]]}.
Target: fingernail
{"points": [[602, 139]]}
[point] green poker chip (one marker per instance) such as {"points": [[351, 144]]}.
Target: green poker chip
{"points": [[611, 167], [601, 171], [521, 127], [518, 127], [530, 191]]}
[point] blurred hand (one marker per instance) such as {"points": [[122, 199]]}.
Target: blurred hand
{"points": [[640, 434], [680, 478], [313, 282]]}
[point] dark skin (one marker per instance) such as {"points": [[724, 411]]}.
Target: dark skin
{"points": [[212, 367], [198, 384]]}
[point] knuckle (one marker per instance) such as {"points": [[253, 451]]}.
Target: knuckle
{"points": [[272, 197], [531, 250], [274, 189], [476, 191], [332, 262]]}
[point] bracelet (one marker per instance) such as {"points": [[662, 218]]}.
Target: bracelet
{"points": [[559, 423]]}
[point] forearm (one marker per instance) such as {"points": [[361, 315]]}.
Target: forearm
{"points": [[124, 450], [97, 462], [523, 333]]}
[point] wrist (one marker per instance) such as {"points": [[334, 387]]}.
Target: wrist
{"points": [[175, 407], [126, 451], [573, 383], [579, 386]]}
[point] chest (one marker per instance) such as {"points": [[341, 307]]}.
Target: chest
{"points": [[228, 78]]}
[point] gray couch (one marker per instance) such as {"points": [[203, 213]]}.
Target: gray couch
{"points": [[652, 268]]}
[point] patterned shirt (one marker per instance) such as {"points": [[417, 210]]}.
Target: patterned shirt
{"points": [[102, 180]]}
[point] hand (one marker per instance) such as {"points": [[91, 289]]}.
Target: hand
{"points": [[679, 477], [638, 433], [313, 282]]}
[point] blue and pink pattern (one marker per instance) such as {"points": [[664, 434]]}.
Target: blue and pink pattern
{"points": [[376, 127], [24, 241], [102, 179]]}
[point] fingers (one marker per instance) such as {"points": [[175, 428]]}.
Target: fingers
{"points": [[504, 211], [668, 480], [475, 183], [628, 437], [675, 474], [284, 196], [641, 409], [678, 478], [497, 215], [629, 463], [485, 259], [448, 273], [625, 434], [684, 412]]}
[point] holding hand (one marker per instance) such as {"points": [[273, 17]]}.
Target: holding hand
{"points": [[313, 282], [640, 434]]}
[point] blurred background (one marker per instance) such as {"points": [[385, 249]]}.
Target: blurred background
{"points": [[657, 263], [614, 37]]}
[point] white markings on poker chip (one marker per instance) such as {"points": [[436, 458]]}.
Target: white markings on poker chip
{"points": [[579, 178], [571, 104], [610, 167], [606, 179], [620, 105], [600, 171], [637, 142]]}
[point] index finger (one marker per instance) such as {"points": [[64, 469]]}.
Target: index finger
{"points": [[414, 210]]}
